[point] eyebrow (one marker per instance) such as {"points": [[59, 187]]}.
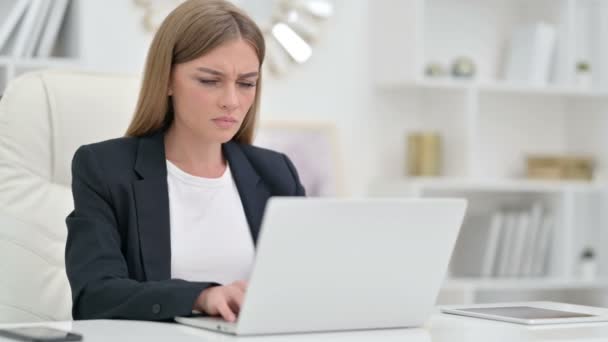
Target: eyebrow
{"points": [[219, 73]]}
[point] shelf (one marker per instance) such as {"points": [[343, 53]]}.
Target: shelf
{"points": [[505, 185], [39, 62], [431, 84], [459, 284], [46, 62], [503, 88], [552, 90]]}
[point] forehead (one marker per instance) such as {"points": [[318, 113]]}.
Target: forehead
{"points": [[233, 57]]}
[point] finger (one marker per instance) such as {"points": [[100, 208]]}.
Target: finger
{"points": [[240, 297], [234, 296], [241, 284], [226, 312], [234, 289], [236, 299], [234, 307]]}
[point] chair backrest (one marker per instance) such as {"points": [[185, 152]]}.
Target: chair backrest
{"points": [[44, 117]]}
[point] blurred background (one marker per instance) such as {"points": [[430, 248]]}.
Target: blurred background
{"points": [[504, 102]]}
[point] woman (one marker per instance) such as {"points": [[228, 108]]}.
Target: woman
{"points": [[166, 218]]}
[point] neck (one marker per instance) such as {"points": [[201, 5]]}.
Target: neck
{"points": [[194, 154]]}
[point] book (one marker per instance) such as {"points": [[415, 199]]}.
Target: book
{"points": [[543, 244], [54, 22], [536, 216], [491, 247], [519, 239], [11, 13], [26, 27], [506, 244], [37, 28], [531, 52]]}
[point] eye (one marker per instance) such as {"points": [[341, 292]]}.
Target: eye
{"points": [[247, 84], [208, 82]]}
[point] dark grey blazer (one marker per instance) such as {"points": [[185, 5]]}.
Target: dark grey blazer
{"points": [[118, 251]]}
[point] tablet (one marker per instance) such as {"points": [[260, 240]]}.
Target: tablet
{"points": [[528, 313], [39, 334]]}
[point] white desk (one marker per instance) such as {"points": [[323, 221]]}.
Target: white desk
{"points": [[440, 328]]}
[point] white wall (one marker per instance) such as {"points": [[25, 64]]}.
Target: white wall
{"points": [[110, 35], [334, 86]]}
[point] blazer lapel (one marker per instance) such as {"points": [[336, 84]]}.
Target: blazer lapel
{"points": [[152, 205], [252, 191]]}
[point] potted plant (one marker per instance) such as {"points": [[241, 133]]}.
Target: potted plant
{"points": [[583, 74]]}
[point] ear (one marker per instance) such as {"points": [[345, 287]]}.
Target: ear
{"points": [[170, 85]]}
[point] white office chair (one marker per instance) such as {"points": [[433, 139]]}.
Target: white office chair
{"points": [[44, 117]]}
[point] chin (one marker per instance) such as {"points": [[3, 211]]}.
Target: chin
{"points": [[224, 138]]}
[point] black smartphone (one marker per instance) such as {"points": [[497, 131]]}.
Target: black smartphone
{"points": [[39, 334]]}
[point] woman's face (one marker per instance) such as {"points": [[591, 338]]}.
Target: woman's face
{"points": [[212, 94]]}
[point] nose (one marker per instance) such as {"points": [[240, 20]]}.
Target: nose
{"points": [[229, 99]]}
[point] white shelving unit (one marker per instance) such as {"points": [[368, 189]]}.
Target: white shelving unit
{"points": [[66, 53], [488, 126]]}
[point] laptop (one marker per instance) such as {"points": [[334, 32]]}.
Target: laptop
{"points": [[345, 264]]}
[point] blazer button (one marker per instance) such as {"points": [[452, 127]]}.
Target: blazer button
{"points": [[156, 309]]}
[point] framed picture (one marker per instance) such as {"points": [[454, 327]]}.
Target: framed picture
{"points": [[312, 147]]}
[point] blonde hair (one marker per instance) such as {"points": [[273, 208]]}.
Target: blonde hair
{"points": [[191, 30]]}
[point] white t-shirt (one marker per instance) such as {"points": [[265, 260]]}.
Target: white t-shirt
{"points": [[210, 237]]}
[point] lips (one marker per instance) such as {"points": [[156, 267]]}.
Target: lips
{"points": [[225, 119], [225, 122]]}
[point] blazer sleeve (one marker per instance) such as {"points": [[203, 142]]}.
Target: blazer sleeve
{"points": [[95, 266], [299, 188]]}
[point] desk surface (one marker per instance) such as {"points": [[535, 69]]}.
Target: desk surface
{"points": [[440, 328]]}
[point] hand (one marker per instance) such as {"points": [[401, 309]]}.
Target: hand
{"points": [[222, 301]]}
